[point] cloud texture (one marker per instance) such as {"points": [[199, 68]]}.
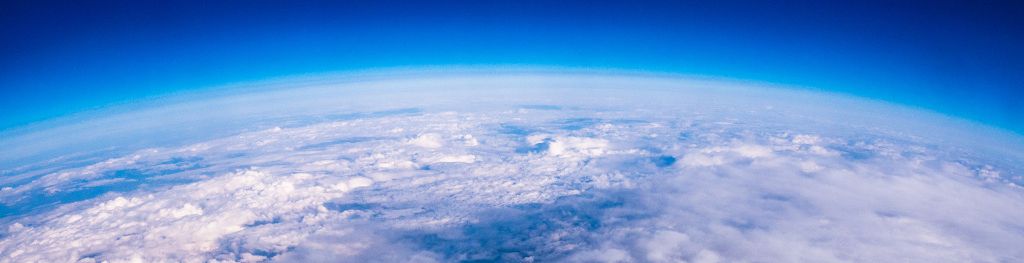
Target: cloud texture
{"points": [[529, 183]]}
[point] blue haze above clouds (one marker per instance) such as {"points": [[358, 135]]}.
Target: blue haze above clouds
{"points": [[958, 58]]}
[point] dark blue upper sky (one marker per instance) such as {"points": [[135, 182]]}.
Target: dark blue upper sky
{"points": [[959, 58]]}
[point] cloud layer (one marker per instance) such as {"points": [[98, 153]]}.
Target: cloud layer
{"points": [[529, 183]]}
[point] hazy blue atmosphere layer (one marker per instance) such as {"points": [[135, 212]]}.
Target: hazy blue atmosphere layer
{"points": [[957, 58]]}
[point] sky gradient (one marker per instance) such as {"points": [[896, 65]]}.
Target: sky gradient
{"points": [[959, 58]]}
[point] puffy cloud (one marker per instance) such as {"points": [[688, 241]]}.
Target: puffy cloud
{"points": [[185, 222], [429, 140], [528, 184]]}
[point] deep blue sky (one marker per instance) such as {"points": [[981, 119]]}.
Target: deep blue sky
{"points": [[959, 58]]}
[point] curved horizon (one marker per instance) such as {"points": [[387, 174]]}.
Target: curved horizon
{"points": [[409, 72], [954, 58], [299, 89]]}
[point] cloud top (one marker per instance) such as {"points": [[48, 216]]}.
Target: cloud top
{"points": [[583, 182]]}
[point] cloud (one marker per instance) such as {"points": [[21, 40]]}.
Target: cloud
{"points": [[552, 183]]}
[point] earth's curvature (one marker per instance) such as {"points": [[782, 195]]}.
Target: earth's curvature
{"points": [[514, 167]]}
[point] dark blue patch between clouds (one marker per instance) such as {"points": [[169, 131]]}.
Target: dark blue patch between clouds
{"points": [[663, 161]]}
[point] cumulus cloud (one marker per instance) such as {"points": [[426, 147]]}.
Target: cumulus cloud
{"points": [[527, 184]]}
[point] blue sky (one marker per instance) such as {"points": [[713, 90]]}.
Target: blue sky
{"points": [[959, 58]]}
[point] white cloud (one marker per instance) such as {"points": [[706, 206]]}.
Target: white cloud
{"points": [[630, 184], [429, 140]]}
